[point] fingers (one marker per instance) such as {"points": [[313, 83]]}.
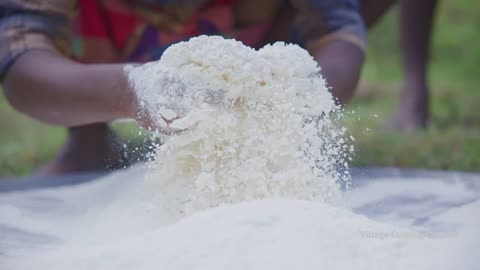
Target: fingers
{"points": [[160, 124]]}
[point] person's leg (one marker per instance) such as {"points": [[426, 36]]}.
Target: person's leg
{"points": [[416, 20], [88, 148], [373, 10]]}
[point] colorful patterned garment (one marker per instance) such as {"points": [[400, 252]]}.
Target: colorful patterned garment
{"points": [[140, 30], [110, 32]]}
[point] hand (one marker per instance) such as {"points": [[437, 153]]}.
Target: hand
{"points": [[163, 96], [159, 125]]}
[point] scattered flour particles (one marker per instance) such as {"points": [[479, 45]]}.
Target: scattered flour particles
{"points": [[249, 178], [251, 124]]}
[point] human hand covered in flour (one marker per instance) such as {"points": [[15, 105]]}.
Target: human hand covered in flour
{"points": [[164, 97]]}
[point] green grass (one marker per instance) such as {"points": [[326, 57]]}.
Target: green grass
{"points": [[451, 142], [24, 143], [453, 139]]}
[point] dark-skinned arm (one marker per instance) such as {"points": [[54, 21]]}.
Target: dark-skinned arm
{"points": [[56, 90], [334, 33], [341, 63]]}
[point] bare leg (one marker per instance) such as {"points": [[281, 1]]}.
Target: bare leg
{"points": [[373, 10], [416, 19], [88, 148]]}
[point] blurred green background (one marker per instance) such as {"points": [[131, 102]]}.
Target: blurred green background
{"points": [[451, 142]]}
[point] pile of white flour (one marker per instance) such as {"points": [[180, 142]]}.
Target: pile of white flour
{"points": [[256, 124]]}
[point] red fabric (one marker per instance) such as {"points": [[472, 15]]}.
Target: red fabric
{"points": [[117, 25], [94, 22]]}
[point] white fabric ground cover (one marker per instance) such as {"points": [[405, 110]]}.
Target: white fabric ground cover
{"points": [[250, 179]]}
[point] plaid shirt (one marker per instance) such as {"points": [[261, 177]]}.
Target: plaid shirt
{"points": [[42, 24]]}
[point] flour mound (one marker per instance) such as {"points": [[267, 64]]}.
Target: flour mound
{"points": [[267, 234], [254, 124]]}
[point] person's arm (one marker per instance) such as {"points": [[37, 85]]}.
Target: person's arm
{"points": [[341, 63], [334, 33], [56, 90], [42, 82]]}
